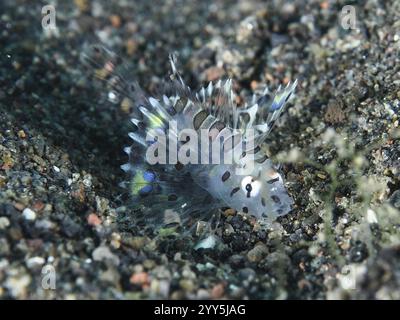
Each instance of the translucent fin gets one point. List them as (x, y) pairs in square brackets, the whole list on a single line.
[(108, 67), (218, 100), (263, 114), (175, 72)]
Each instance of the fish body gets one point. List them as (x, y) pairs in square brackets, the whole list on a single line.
[(176, 192)]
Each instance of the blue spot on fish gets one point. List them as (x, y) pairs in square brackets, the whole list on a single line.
[(146, 189), (149, 176)]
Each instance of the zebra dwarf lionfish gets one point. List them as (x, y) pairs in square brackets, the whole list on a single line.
[(170, 194)]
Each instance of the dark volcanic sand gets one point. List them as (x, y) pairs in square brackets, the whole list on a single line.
[(61, 148)]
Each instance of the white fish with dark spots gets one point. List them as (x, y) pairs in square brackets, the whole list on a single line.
[(194, 192)]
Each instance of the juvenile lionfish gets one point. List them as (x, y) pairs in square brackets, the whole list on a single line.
[(176, 193)]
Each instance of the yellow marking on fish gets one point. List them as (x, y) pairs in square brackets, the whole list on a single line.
[(137, 183), (155, 121)]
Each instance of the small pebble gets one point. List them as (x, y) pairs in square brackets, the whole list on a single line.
[(4, 223), (29, 214), (22, 134), (93, 220), (140, 278), (103, 253), (35, 262), (217, 291), (257, 253)]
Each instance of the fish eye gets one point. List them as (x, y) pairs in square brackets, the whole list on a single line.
[(250, 186)]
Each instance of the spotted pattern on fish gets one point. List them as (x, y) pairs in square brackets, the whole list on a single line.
[(194, 191)]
